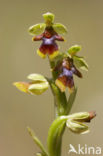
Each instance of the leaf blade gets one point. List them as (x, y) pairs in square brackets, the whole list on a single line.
[(37, 141)]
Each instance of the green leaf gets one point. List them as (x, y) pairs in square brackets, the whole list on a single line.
[(59, 28), (48, 17), (37, 141), (71, 100), (55, 135), (37, 29), (37, 78), (38, 88), (80, 63), (74, 49)]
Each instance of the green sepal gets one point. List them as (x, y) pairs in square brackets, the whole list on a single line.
[(49, 18), (38, 143), (38, 88), (60, 28), (80, 63), (37, 29), (22, 86), (74, 49)]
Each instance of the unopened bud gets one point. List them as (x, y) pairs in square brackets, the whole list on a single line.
[(92, 114), (77, 127), (83, 116), (38, 85), (36, 78)]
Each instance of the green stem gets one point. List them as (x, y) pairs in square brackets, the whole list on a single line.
[(60, 100), (55, 136), (62, 107)]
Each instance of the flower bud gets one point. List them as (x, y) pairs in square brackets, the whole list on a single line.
[(37, 78), (75, 122), (38, 85), (77, 127), (83, 116)]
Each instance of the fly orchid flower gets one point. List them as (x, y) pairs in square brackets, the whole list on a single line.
[(48, 34), (66, 71)]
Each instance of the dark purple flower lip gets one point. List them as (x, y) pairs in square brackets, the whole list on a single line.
[(67, 70), (49, 45)]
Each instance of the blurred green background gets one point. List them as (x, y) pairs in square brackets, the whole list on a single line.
[(84, 20)]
